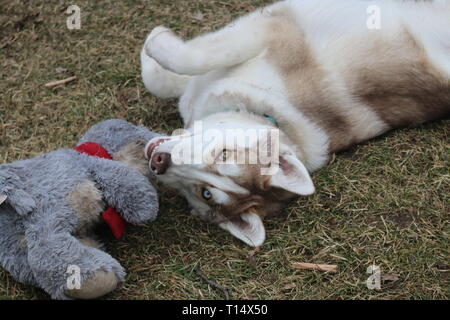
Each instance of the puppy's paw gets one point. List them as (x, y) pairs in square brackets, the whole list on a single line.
[(155, 33), (164, 46)]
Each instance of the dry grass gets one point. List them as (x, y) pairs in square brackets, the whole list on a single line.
[(385, 202)]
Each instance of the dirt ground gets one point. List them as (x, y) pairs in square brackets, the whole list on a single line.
[(385, 202)]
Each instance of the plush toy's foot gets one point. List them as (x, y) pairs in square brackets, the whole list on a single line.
[(100, 284)]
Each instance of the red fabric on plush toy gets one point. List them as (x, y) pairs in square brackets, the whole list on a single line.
[(112, 218), (93, 149)]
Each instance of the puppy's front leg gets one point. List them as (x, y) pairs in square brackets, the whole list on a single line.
[(234, 44)]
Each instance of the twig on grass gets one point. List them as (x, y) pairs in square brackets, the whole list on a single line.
[(211, 282), (312, 266), (59, 82)]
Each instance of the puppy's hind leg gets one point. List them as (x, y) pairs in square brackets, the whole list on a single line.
[(159, 81)]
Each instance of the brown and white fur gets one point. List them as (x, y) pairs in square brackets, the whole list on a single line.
[(318, 68)]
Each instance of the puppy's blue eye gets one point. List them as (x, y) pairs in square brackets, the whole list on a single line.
[(206, 194)]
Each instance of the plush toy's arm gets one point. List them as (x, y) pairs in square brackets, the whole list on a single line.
[(125, 189), (13, 192)]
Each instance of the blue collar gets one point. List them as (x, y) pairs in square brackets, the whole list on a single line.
[(271, 119), (266, 116)]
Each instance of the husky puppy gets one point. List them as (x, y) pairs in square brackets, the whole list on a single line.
[(321, 75)]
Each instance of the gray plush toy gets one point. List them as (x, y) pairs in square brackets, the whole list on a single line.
[(49, 204)]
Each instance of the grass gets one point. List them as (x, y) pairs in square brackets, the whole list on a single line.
[(385, 202)]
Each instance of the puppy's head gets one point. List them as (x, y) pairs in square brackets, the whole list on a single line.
[(232, 174)]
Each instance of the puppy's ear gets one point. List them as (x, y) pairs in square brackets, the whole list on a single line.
[(292, 176), (248, 228)]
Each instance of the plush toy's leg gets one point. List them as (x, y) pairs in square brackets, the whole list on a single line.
[(13, 247), (100, 284), (159, 81), (62, 265)]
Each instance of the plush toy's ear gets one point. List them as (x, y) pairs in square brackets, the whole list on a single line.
[(249, 228), (292, 176), (3, 198)]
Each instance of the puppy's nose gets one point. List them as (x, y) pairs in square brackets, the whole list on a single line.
[(160, 162)]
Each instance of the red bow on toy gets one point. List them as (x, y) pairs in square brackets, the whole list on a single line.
[(110, 215)]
